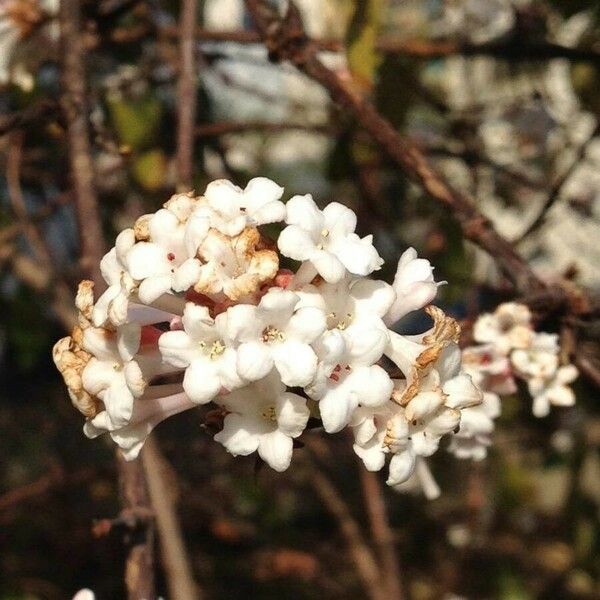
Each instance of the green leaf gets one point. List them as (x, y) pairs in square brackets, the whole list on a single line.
[(136, 121), (363, 58), (150, 169)]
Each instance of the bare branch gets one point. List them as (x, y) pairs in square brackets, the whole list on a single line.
[(287, 40), (186, 94), (178, 570), (29, 116), (381, 532)]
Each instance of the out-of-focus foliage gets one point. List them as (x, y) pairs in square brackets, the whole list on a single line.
[(521, 525)]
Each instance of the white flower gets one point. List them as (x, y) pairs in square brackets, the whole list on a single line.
[(84, 594), (345, 380), (157, 404), (327, 239), (421, 480), (166, 259), (508, 327), (476, 426), (354, 307), (204, 350), (540, 359), (413, 284), (276, 334), (554, 391), (112, 374), (111, 306), (263, 417), (234, 209), (235, 267), (490, 370)]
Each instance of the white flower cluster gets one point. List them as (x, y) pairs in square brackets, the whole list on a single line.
[(510, 344), (198, 311)]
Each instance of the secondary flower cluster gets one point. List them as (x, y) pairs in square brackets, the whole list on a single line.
[(199, 310)]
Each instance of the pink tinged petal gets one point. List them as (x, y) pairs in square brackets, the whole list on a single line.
[(296, 243), (128, 340), (177, 348), (402, 466), (292, 414), (186, 275), (339, 219), (303, 212), (372, 296), (254, 360), (239, 435), (328, 265), (147, 315), (153, 288), (372, 455), (296, 362), (306, 325), (357, 255), (201, 381), (147, 259), (424, 404), (275, 448), (372, 385)]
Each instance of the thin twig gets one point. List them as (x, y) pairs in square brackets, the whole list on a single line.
[(29, 116), (226, 127), (139, 568), (178, 570), (557, 187), (362, 556), (287, 40), (186, 94), (381, 532), (512, 50), (15, 193)]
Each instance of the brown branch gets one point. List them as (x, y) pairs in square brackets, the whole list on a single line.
[(381, 532), (287, 40), (15, 193), (55, 478), (178, 570), (226, 127), (139, 568), (186, 94), (362, 556), (556, 188), (30, 116), (513, 50)]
